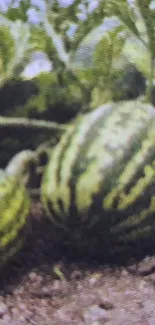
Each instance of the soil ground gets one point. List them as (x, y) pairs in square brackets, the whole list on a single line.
[(44, 285)]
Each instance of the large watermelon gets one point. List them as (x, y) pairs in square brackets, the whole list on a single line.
[(103, 171)]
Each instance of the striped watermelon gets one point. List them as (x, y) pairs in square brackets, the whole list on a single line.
[(103, 172), (14, 204), (14, 209)]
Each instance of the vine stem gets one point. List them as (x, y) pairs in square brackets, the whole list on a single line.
[(149, 26), (19, 122)]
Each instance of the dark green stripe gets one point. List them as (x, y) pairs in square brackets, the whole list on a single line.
[(61, 163), (69, 139), (47, 200), (82, 162), (135, 219), (55, 216)]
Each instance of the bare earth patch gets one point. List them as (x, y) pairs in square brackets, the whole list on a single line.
[(45, 285)]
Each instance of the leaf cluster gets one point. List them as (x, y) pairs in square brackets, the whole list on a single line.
[(96, 56)]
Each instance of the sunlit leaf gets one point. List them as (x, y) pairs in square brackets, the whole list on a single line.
[(15, 47), (107, 53), (84, 55), (7, 49), (138, 55), (126, 13)]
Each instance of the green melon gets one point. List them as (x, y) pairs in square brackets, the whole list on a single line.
[(103, 171), (14, 204), (14, 209)]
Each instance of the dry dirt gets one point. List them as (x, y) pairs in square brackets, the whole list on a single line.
[(47, 285)]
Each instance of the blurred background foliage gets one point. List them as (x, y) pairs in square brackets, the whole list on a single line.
[(60, 59)]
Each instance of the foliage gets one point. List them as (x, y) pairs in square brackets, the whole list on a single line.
[(97, 55), (15, 47)]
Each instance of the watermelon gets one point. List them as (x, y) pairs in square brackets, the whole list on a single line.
[(103, 172), (14, 209)]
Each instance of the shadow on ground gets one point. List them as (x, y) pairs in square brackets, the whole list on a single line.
[(47, 246)]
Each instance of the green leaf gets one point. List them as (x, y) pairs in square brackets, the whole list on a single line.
[(19, 12), (7, 48), (83, 57), (107, 54), (15, 48), (137, 54), (126, 13)]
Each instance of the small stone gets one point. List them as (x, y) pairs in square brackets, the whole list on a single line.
[(151, 278), (33, 276), (94, 314), (76, 275), (3, 309), (124, 272), (95, 279), (132, 268), (63, 316), (146, 269), (7, 319), (21, 306), (106, 304), (56, 285), (18, 291), (143, 285)]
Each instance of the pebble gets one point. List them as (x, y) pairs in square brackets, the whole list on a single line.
[(106, 304), (95, 314), (3, 309), (34, 277)]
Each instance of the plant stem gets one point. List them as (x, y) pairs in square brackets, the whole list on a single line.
[(13, 122), (149, 25), (150, 80)]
